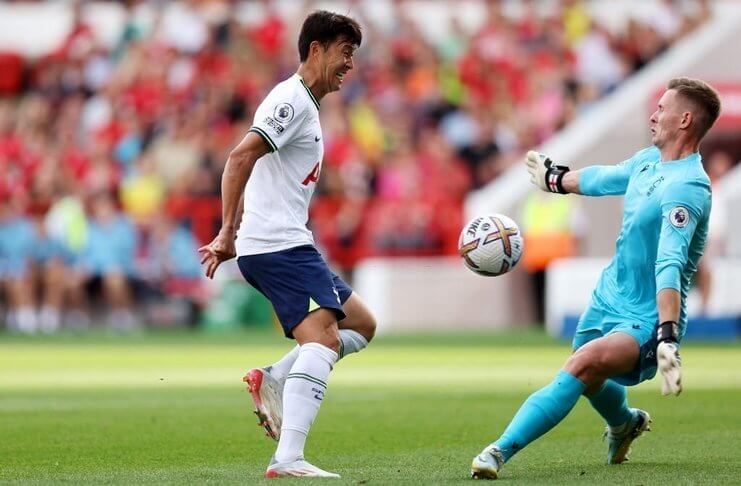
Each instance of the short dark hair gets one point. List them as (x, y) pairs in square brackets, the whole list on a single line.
[(703, 98), (325, 28)]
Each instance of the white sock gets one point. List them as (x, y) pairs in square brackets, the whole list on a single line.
[(280, 369), (350, 342), (302, 395)]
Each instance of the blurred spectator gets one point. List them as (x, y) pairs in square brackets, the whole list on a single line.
[(106, 264), (16, 247), (143, 191), (33, 268), (50, 269), (168, 265), (551, 228)]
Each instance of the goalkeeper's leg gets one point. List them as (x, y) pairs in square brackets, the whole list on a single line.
[(540, 413), (585, 370), (611, 402), (624, 424)]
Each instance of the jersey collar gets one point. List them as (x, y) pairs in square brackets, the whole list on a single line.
[(311, 95), (693, 157)]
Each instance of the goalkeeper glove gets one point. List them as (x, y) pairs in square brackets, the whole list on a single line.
[(544, 173), (667, 355)]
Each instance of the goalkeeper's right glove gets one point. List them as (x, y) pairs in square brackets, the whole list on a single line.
[(544, 173), (667, 355)]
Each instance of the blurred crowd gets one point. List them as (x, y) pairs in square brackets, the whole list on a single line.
[(111, 156)]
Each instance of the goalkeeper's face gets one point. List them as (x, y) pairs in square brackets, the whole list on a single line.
[(669, 119)]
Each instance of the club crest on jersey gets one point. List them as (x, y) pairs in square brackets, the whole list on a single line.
[(283, 113), (679, 217)]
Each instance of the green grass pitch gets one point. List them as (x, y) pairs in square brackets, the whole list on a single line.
[(171, 409)]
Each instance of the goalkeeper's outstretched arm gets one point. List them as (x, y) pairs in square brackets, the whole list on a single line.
[(596, 180)]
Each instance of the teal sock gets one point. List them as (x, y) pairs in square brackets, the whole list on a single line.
[(612, 403), (542, 411)]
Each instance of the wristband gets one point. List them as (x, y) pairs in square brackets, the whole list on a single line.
[(554, 176), (667, 332)]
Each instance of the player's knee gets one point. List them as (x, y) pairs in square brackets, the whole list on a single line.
[(330, 336), (587, 366), (369, 328), (332, 341)]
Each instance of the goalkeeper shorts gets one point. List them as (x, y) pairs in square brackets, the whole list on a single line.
[(597, 322)]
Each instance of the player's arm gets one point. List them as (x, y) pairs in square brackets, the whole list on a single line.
[(596, 180), (237, 171), (682, 207)]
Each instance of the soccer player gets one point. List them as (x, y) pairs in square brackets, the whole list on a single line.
[(277, 165), (637, 312)]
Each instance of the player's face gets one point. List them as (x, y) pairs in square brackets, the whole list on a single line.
[(337, 61), (666, 121)]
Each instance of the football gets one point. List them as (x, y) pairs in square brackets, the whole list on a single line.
[(490, 245)]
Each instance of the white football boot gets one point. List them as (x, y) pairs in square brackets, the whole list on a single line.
[(267, 393), (618, 445), (487, 464), (297, 468)]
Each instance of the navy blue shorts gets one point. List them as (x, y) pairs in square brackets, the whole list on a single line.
[(296, 281)]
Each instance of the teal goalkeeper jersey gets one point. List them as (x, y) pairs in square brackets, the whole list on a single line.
[(665, 227)]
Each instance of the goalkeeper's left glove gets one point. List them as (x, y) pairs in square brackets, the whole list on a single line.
[(667, 355), (544, 173)]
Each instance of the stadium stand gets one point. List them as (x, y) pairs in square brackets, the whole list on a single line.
[(147, 112)]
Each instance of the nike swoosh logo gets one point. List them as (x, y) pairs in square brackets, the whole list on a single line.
[(316, 139)]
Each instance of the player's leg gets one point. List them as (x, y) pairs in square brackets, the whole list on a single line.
[(586, 370), (625, 424), (357, 329), (611, 402), (304, 391), (266, 384), (300, 287)]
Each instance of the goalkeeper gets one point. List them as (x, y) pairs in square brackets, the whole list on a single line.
[(637, 315)]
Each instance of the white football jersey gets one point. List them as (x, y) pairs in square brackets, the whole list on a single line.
[(278, 192)]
